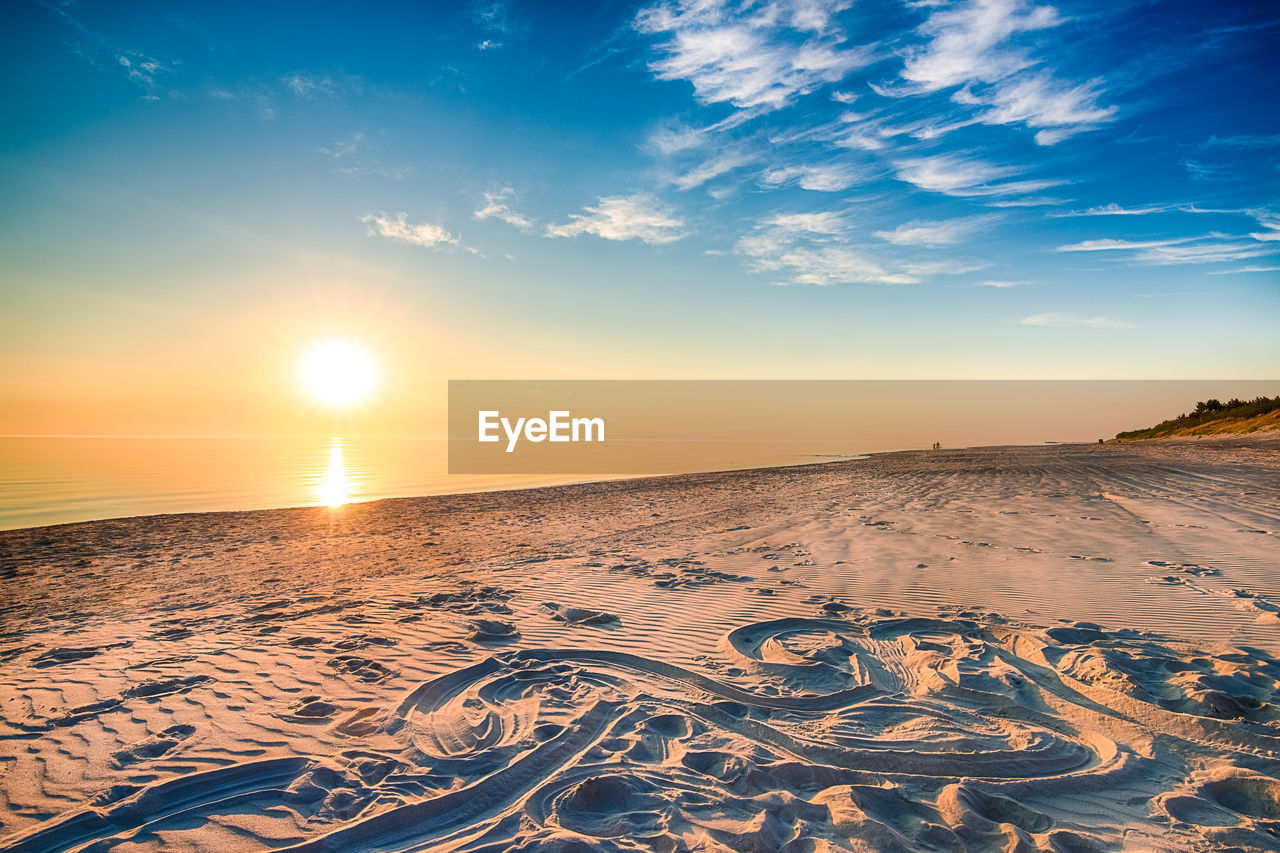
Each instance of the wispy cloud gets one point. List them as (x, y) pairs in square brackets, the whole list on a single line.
[(354, 156), (1109, 244), (711, 168), (1246, 141), (1239, 270), (958, 175), (973, 45), (1114, 209), (934, 234), (968, 43), (493, 17), (1001, 284), (825, 177), (633, 217), (1057, 319), (398, 228), (825, 265), (751, 56), (823, 222), (808, 248), (101, 52), (497, 206), (1207, 249)]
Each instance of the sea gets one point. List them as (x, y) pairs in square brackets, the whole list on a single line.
[(59, 479)]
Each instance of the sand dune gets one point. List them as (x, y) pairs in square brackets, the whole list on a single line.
[(1059, 648)]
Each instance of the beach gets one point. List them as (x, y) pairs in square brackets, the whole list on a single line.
[(1063, 647)]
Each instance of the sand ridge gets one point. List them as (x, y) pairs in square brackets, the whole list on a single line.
[(915, 651)]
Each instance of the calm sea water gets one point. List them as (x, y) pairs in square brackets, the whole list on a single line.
[(53, 480)]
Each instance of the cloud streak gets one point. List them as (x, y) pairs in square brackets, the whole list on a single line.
[(754, 57), (1062, 320), (426, 234), (634, 217)]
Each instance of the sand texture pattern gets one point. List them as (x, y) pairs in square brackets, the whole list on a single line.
[(1051, 648)]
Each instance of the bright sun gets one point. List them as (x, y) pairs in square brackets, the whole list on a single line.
[(338, 372)]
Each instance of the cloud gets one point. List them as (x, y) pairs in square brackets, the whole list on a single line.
[(634, 217), (806, 249), (712, 168), (353, 157), (933, 234), (967, 43), (752, 56), (972, 45), (1243, 141), (309, 85), (426, 234), (825, 222), (1061, 109), (930, 269), (98, 50), (1063, 320), (1114, 209), (1208, 249), (828, 265), (1270, 222), (496, 207), (831, 177), (1108, 244), (494, 20), (1000, 284), (957, 175), (1244, 270)]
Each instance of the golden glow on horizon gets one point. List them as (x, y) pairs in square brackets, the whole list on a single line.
[(338, 372), (334, 488)]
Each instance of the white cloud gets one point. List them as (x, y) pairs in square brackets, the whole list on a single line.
[(1208, 249), (1244, 270), (957, 175), (828, 265), (1040, 101), (1243, 141), (712, 168), (1108, 244), (634, 217), (1114, 209), (972, 45), (752, 56), (1270, 222), (824, 222), (496, 207), (1063, 320), (968, 43), (1000, 284), (426, 234), (802, 246), (930, 269), (831, 177), (933, 234)]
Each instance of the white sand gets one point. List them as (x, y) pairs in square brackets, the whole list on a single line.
[(1064, 648)]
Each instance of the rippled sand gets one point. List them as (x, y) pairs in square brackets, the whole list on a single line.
[(1064, 648)]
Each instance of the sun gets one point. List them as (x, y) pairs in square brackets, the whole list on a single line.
[(338, 372)]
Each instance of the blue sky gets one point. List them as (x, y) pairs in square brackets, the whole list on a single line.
[(881, 188)]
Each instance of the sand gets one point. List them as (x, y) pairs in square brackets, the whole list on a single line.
[(1061, 648)]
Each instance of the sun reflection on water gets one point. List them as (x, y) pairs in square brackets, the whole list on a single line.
[(335, 487)]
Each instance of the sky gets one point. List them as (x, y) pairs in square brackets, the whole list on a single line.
[(982, 189)]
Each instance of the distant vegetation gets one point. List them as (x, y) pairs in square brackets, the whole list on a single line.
[(1213, 417)]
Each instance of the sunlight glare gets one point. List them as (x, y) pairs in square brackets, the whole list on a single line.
[(338, 372), (334, 488)]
